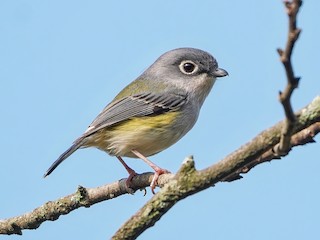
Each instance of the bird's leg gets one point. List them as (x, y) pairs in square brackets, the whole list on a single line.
[(158, 171), (131, 172)]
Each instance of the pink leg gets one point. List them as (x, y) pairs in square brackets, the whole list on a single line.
[(131, 172), (157, 169)]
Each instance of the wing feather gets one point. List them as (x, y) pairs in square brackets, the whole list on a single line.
[(136, 106)]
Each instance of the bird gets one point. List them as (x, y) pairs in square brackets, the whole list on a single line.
[(153, 112)]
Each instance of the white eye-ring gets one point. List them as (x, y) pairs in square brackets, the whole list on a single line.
[(188, 67)]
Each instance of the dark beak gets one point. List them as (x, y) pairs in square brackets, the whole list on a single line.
[(219, 72)]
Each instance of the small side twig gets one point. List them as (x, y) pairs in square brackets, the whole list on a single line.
[(284, 146), (301, 138)]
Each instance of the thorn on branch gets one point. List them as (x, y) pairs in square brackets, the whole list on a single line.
[(280, 52), (280, 95), (296, 81), (296, 34)]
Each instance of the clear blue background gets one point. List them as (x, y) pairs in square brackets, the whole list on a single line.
[(61, 62)]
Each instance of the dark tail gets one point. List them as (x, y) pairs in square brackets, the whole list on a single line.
[(77, 144)]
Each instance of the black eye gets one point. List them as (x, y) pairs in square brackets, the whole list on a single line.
[(188, 67)]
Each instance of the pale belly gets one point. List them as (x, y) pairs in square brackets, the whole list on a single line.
[(138, 134)]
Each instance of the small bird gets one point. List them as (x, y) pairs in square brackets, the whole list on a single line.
[(154, 111)]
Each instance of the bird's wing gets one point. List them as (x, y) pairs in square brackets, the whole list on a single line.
[(139, 105)]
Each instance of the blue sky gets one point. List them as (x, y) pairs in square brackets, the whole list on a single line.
[(61, 62)]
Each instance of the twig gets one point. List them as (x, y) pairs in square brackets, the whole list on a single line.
[(292, 82)]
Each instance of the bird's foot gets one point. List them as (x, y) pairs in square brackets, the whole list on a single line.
[(157, 173), (132, 174)]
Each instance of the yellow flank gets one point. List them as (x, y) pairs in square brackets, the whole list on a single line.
[(148, 135)]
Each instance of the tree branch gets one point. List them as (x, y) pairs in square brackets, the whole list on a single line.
[(83, 197), (284, 146)]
